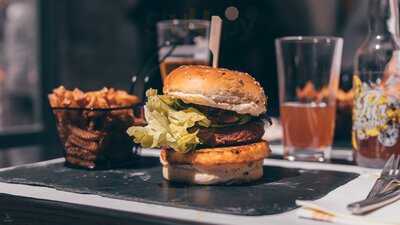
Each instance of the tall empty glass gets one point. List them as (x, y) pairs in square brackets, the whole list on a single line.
[(308, 70)]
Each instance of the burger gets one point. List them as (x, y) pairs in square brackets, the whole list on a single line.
[(209, 124)]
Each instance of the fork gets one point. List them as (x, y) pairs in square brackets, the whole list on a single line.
[(388, 176), (385, 190)]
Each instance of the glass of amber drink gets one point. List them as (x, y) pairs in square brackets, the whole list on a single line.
[(182, 42), (308, 70)]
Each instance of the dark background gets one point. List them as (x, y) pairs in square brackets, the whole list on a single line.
[(90, 44), (103, 43)]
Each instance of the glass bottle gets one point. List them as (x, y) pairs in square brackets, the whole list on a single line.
[(376, 112)]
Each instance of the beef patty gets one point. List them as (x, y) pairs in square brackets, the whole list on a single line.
[(232, 135), (218, 116)]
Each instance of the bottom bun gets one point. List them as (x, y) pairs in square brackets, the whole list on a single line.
[(213, 174)]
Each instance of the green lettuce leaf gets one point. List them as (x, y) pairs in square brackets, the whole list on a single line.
[(168, 125)]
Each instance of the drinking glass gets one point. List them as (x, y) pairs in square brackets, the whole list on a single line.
[(308, 70), (182, 42)]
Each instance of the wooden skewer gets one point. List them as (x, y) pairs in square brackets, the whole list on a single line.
[(215, 37)]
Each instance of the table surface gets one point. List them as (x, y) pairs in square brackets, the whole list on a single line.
[(149, 213)]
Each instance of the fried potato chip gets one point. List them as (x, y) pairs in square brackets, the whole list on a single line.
[(103, 99)]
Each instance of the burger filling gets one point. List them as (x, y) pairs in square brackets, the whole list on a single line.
[(171, 123), (232, 135)]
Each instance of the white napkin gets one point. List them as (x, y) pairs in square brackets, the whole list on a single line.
[(332, 208)]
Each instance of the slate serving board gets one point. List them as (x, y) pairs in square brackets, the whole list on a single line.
[(275, 193)]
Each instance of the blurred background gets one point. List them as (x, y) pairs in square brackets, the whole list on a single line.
[(90, 44)]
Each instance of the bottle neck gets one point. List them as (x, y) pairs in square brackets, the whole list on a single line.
[(383, 17)]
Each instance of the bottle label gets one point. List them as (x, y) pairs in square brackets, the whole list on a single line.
[(376, 112)]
